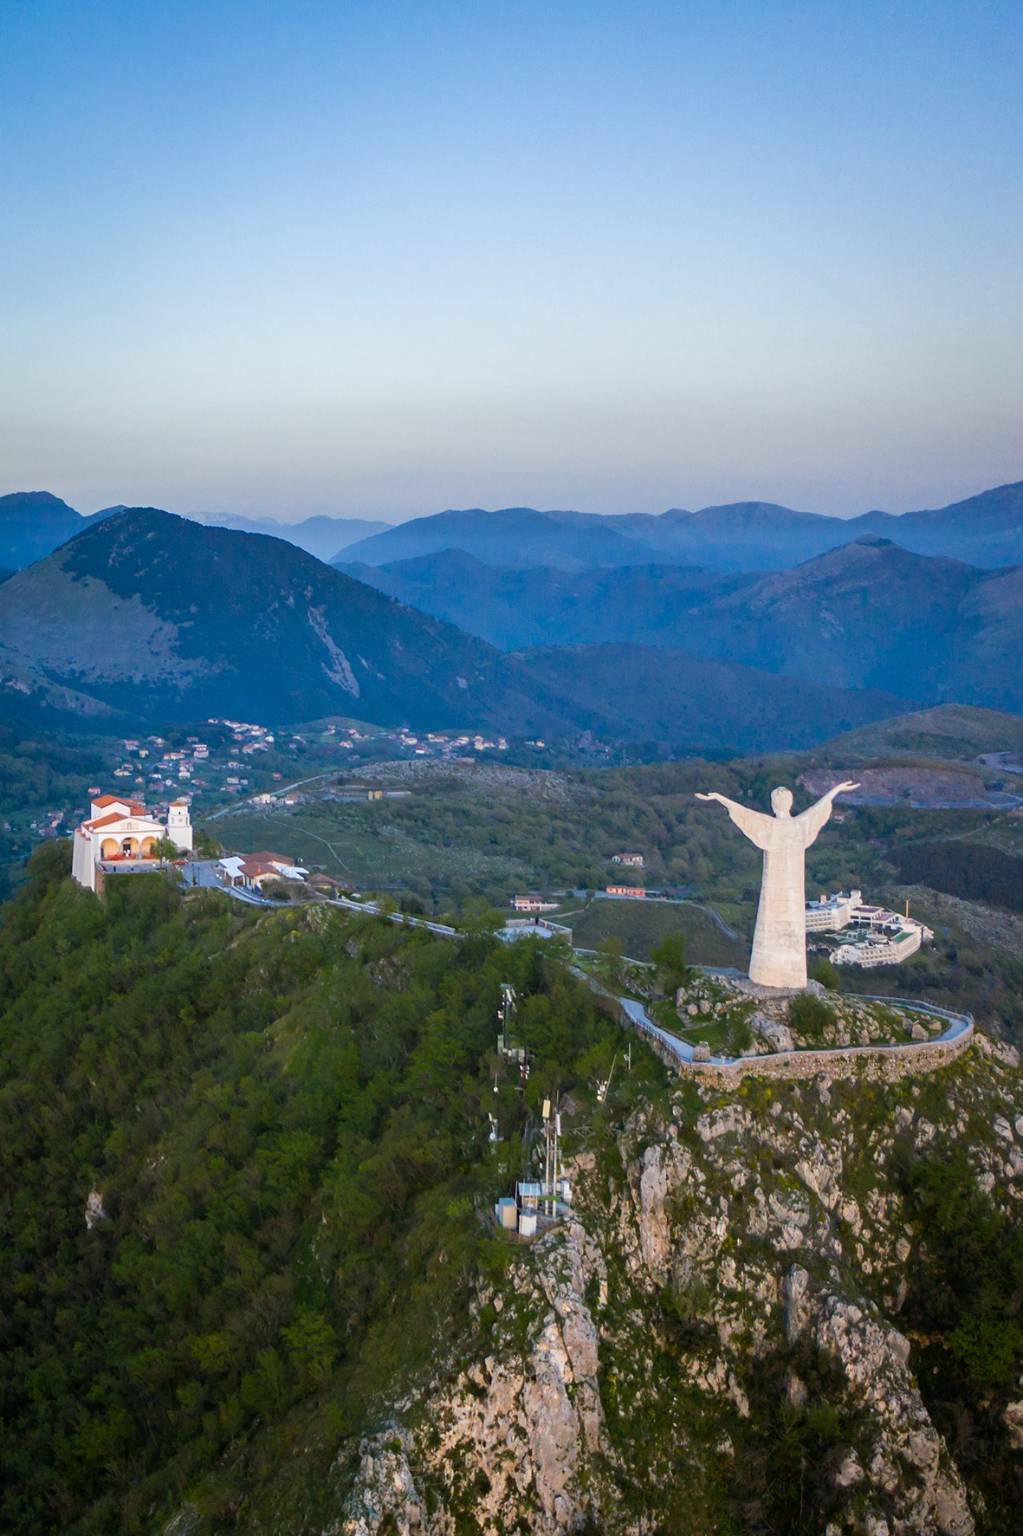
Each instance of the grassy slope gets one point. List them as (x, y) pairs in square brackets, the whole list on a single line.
[(950, 731), (642, 924)]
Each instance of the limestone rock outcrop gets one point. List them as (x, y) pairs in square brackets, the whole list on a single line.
[(737, 1261)]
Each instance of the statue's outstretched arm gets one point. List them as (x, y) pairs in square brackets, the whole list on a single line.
[(814, 817), (754, 824)]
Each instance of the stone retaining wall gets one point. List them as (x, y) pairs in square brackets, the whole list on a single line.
[(887, 1061)]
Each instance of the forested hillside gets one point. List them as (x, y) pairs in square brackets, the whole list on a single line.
[(278, 1126)]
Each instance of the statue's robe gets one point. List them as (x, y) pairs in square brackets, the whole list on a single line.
[(779, 940)]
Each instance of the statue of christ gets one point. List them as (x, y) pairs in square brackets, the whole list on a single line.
[(779, 942)]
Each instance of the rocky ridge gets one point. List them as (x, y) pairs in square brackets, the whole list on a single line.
[(728, 1294)]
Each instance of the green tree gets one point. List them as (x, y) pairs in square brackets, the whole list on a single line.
[(669, 956), (312, 1346), (610, 953)]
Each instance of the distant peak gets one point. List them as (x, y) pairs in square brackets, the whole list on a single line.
[(35, 498)]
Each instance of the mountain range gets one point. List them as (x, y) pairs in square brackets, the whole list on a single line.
[(589, 625), (516, 607), (150, 615), (146, 616), (985, 530), (324, 537), (867, 615), (34, 523)]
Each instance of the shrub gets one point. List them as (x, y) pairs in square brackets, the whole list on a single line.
[(740, 1035), (810, 1017)]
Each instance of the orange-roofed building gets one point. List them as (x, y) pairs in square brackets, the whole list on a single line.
[(121, 834)]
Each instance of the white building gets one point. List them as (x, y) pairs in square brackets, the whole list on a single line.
[(877, 946), (252, 870), (832, 913), (121, 834), (870, 935)]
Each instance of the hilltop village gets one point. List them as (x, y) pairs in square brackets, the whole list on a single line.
[(234, 759)]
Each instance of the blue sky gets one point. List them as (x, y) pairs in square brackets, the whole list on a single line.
[(386, 258)]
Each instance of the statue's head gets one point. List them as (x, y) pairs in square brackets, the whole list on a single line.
[(781, 801)]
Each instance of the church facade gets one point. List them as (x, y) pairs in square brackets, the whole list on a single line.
[(122, 834)]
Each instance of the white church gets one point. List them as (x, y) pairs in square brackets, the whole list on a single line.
[(120, 836)]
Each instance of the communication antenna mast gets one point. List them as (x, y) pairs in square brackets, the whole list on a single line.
[(507, 1046), (602, 1087), (552, 1138), (557, 1160)]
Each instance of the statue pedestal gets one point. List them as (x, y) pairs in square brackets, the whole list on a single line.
[(757, 990)]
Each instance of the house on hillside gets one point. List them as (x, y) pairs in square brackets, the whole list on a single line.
[(534, 902), (120, 835), (251, 871), (636, 891), (632, 860)]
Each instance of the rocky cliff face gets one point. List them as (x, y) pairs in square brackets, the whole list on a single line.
[(716, 1341)]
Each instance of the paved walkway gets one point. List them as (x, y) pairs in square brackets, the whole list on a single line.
[(957, 1025)]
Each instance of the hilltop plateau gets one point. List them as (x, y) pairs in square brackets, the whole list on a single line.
[(953, 731)]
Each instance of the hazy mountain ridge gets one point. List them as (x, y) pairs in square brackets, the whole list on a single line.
[(875, 615), (35, 523), (867, 615), (513, 609), (153, 614), (322, 536), (32, 523), (513, 536), (148, 615), (985, 530), (692, 703)]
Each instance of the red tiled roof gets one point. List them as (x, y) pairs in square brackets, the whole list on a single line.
[(105, 821), (112, 816), (104, 800)]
